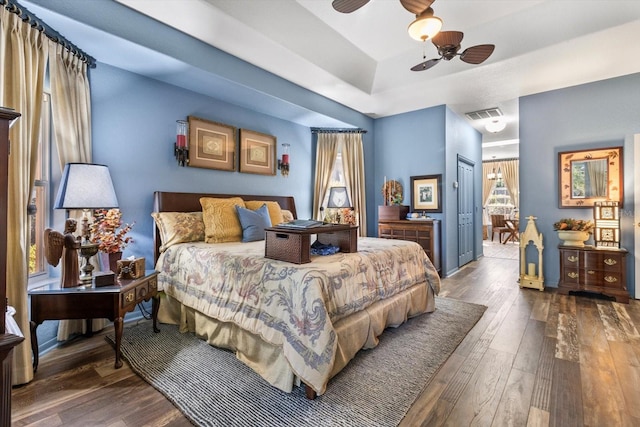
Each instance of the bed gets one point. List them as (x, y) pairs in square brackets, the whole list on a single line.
[(292, 324)]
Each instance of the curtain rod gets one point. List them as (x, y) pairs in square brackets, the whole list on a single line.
[(500, 160), (52, 34), (337, 130)]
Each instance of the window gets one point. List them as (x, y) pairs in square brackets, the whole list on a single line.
[(500, 200), (39, 206), (337, 177)]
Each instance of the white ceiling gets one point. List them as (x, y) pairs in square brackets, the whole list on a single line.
[(362, 59)]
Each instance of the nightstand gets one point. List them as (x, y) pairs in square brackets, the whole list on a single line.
[(52, 302)]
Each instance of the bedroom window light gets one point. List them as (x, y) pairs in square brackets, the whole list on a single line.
[(39, 205)]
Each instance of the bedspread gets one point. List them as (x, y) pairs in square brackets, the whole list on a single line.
[(289, 305)]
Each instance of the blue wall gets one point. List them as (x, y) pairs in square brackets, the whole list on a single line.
[(428, 142), (133, 119), (600, 114), (464, 141)]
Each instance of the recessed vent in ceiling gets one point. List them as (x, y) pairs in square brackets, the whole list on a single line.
[(489, 113)]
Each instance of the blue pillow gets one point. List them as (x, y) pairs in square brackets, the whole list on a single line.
[(253, 222)]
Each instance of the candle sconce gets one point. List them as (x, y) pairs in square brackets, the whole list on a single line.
[(283, 164), (181, 147)]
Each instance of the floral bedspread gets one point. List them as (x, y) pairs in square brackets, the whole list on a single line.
[(289, 305)]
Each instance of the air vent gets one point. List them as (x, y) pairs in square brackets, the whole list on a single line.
[(489, 113)]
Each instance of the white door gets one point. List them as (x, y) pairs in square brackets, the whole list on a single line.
[(636, 219)]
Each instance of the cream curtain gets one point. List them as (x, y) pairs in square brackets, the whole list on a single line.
[(71, 118), (487, 186), (597, 172), (23, 56), (326, 154), (353, 165), (511, 177)]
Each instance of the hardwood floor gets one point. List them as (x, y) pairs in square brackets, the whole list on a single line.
[(534, 359)]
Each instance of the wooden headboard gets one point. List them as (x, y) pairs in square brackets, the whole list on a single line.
[(165, 201)]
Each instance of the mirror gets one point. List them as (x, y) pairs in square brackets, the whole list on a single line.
[(589, 176)]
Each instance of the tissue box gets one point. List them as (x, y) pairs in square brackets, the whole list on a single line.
[(130, 268)]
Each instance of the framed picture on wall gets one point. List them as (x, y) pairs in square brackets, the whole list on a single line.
[(212, 145), (426, 193), (257, 152)]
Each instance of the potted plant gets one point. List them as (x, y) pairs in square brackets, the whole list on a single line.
[(109, 233), (574, 232)]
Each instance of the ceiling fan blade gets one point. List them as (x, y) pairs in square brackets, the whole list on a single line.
[(477, 54), (447, 38), (348, 6), (416, 6), (425, 65)]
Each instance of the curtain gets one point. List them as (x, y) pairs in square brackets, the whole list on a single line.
[(353, 166), (487, 187), (511, 177), (23, 56), (597, 174), (71, 118), (326, 154)]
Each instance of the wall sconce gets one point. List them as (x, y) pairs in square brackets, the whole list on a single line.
[(181, 148), (606, 216), (283, 164)]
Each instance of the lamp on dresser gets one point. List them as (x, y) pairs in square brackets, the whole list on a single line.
[(86, 186)]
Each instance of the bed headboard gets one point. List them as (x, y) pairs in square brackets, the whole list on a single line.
[(166, 201)]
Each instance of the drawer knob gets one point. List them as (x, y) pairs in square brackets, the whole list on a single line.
[(610, 261), (591, 272), (573, 275), (610, 279), (572, 258), (129, 297)]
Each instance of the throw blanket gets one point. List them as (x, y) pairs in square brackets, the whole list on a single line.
[(288, 305)]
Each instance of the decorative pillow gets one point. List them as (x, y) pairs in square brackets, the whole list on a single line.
[(179, 227), (275, 212), (287, 215), (253, 222), (221, 223)]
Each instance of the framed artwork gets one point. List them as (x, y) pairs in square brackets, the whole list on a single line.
[(426, 193), (257, 152), (589, 176), (211, 145)]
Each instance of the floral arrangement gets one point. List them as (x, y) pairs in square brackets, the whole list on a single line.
[(570, 224), (108, 232)]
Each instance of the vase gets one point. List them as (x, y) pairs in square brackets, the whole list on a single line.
[(109, 260), (573, 238)]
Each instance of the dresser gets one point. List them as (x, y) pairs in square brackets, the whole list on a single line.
[(425, 232), (7, 341), (595, 270)]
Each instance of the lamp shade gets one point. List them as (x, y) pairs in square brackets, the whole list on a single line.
[(86, 186), (338, 198), (425, 26)]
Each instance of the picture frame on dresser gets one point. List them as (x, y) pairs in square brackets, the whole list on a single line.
[(212, 145), (257, 152), (426, 194)]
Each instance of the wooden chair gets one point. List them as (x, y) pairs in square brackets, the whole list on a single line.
[(499, 225)]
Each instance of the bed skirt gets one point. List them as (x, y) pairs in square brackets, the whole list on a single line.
[(357, 331)]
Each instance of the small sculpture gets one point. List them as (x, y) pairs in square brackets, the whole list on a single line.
[(65, 246)]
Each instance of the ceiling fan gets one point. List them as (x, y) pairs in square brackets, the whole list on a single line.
[(448, 45), (427, 27)]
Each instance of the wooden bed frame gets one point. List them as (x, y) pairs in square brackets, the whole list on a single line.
[(166, 201)]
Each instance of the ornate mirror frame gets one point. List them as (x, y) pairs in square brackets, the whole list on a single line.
[(614, 186)]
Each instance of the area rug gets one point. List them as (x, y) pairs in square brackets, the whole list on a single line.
[(212, 388)]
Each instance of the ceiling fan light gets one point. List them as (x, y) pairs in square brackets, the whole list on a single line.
[(425, 26), (495, 126)]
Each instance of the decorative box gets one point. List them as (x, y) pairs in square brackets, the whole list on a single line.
[(393, 212), (130, 268), (104, 278)]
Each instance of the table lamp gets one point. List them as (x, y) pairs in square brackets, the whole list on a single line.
[(86, 186)]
